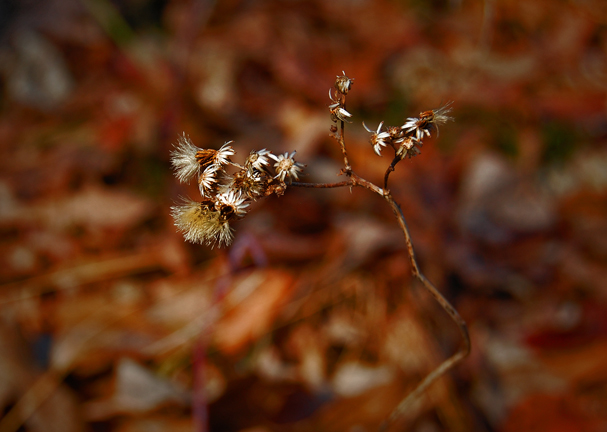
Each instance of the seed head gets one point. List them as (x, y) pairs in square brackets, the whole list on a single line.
[(201, 223), (183, 159), (343, 84), (286, 166), (408, 147), (427, 121), (207, 181), (339, 113), (378, 139), (222, 156), (231, 205), (258, 160)]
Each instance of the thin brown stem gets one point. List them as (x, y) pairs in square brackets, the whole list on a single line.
[(355, 180), (464, 350), (462, 353), (389, 170), (322, 185), (342, 144)]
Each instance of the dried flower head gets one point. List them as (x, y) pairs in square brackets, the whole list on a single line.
[(418, 126), (231, 205), (408, 147), (378, 139), (438, 116), (286, 166), (258, 160), (343, 84), (396, 133), (207, 181), (337, 110), (217, 159), (339, 113), (183, 159), (222, 157), (199, 222), (250, 183), (427, 121)]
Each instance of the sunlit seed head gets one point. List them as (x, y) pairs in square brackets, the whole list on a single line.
[(183, 159), (258, 160), (207, 181), (286, 166), (201, 223), (235, 201), (222, 157)]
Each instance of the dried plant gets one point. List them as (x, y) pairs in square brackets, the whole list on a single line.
[(227, 188)]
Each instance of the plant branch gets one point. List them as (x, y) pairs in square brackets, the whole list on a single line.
[(389, 170), (322, 185), (342, 143), (463, 352)]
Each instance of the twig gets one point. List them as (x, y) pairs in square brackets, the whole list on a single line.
[(463, 352), (342, 143), (389, 170), (323, 185)]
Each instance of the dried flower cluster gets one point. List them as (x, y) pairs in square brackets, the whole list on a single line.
[(343, 84), (226, 187), (407, 140)]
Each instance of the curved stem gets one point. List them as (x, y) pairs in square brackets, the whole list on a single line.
[(463, 352)]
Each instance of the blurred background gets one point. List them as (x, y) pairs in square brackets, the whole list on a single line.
[(311, 320)]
